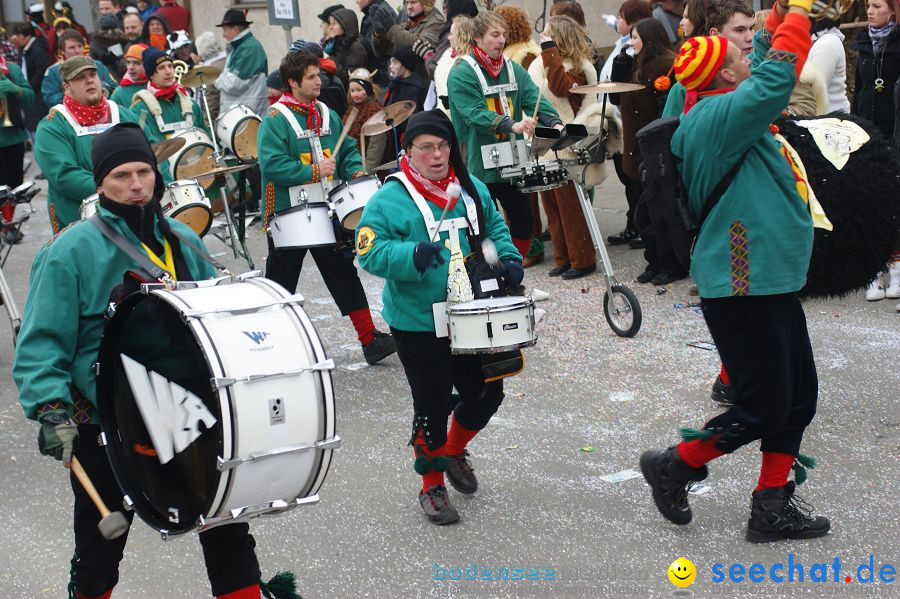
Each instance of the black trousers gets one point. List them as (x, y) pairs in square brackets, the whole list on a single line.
[(632, 191), (517, 208), (432, 372), (337, 270), (658, 250), (11, 162), (765, 348), (228, 550)]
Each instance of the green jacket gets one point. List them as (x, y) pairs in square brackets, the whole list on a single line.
[(52, 89), (124, 94), (477, 125), (171, 113), (758, 238), (65, 159), (10, 136), (244, 79), (285, 161), (675, 102), (394, 226), (71, 280)]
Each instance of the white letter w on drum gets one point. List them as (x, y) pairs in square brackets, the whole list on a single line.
[(171, 413)]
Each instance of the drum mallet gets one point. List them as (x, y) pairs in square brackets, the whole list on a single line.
[(346, 129), (112, 525), (453, 191)]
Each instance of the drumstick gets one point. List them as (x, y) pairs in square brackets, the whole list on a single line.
[(350, 118), (112, 524), (453, 191), (538, 103), (362, 148)]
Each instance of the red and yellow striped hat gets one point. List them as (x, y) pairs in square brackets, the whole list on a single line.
[(698, 61)]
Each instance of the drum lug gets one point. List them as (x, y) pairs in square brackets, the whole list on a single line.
[(95, 368), (101, 440), (164, 534), (148, 288), (127, 503), (242, 514), (221, 382), (329, 443)]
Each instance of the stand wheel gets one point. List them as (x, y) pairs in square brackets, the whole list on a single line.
[(622, 310)]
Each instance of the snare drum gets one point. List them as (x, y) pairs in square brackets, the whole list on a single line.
[(537, 176), (305, 225), (350, 197), (185, 201), (216, 403), (491, 325), (237, 128), (194, 157), (89, 206)]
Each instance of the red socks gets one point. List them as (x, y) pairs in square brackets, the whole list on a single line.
[(105, 595), (522, 245), (250, 592), (458, 437), (774, 471), (698, 452), (362, 322), (433, 477), (7, 211), (723, 376)]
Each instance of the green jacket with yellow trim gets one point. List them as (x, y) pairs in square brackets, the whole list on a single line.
[(123, 95), (387, 235), (71, 280), (285, 161), (10, 136), (476, 124)]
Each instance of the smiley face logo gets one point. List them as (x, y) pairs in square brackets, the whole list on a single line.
[(682, 572)]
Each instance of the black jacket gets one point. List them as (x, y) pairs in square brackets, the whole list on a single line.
[(36, 61), (868, 103), (377, 9), (348, 52)]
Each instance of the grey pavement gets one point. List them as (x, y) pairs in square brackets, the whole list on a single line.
[(586, 406)]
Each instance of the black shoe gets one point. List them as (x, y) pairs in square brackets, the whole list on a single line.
[(646, 276), (577, 273), (777, 513), (624, 236), (555, 272), (664, 278), (545, 235), (461, 474), (379, 348), (637, 244), (722, 393), (436, 505), (668, 476)]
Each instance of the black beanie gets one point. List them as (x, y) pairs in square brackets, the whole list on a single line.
[(433, 122), (406, 56), (121, 143)]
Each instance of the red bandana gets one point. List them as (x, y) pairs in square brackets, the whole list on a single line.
[(433, 191), (493, 66), (692, 97), (126, 80), (85, 115), (3, 66), (312, 116), (166, 93)]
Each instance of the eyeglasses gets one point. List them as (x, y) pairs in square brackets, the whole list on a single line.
[(444, 146)]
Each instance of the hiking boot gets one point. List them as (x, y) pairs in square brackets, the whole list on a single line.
[(646, 276), (722, 393), (669, 478), (379, 348), (624, 236), (436, 505), (461, 474), (778, 513)]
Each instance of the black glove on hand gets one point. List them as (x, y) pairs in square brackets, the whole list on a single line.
[(513, 273), (58, 436), (427, 255), (382, 24)]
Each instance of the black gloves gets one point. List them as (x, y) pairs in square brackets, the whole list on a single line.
[(513, 273), (58, 435), (427, 255)]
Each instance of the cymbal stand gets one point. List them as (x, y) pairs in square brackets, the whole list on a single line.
[(15, 319)]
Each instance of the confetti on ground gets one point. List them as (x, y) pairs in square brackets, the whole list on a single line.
[(588, 449), (321, 317), (539, 296), (699, 489), (351, 346), (621, 396), (703, 345), (323, 301), (618, 477), (356, 366), (511, 447)]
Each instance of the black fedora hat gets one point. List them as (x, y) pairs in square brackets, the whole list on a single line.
[(234, 16)]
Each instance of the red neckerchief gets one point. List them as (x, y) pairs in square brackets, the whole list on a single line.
[(312, 115), (87, 115), (126, 80), (433, 191), (4, 68), (493, 66), (166, 93), (692, 97)]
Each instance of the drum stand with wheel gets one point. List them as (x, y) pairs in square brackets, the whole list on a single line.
[(15, 319), (20, 195)]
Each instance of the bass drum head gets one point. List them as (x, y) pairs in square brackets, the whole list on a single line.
[(195, 160), (244, 139), (197, 216), (169, 497)]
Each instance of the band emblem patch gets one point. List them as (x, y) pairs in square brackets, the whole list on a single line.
[(365, 239)]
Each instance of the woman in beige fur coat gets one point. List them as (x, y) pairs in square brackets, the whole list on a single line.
[(462, 38)]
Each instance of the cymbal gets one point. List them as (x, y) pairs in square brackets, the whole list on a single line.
[(387, 166), (166, 149), (199, 75), (224, 170), (394, 114), (607, 87)]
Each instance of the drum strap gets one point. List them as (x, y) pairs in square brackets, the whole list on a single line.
[(315, 145), (81, 130), (184, 103)]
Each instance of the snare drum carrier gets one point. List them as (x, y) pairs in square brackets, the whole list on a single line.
[(153, 105), (505, 153), (81, 130)]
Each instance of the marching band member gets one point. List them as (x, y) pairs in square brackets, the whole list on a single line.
[(165, 105), (749, 261), (491, 100), (134, 80), (393, 241), (296, 141), (14, 93), (63, 141), (71, 44), (71, 283)]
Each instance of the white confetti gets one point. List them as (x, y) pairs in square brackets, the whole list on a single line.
[(618, 477), (621, 396)]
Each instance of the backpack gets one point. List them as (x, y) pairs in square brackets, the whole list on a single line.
[(664, 192)]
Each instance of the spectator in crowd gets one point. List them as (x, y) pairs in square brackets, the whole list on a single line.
[(64, 9), (347, 49), (461, 38), (8, 49), (155, 32), (333, 94), (694, 20), (34, 64), (177, 17), (110, 7), (419, 31), (71, 44), (376, 10), (41, 27), (325, 25), (180, 47), (108, 45), (452, 8), (133, 26), (146, 8), (363, 95), (669, 13), (244, 78), (406, 84)]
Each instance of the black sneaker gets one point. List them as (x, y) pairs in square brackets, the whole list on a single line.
[(380, 348), (436, 505), (669, 478), (646, 276), (461, 474), (624, 236), (721, 393), (637, 243), (577, 273), (777, 513), (555, 272), (665, 278)]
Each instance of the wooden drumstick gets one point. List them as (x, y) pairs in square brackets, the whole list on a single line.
[(538, 103), (350, 118), (112, 524), (362, 148)]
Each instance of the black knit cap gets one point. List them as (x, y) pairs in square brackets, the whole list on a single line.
[(435, 122), (406, 56), (121, 143)]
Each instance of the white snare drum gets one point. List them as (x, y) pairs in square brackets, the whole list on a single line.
[(236, 128), (350, 197), (89, 206), (491, 325), (216, 403), (305, 225), (537, 176), (186, 201), (194, 157)]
